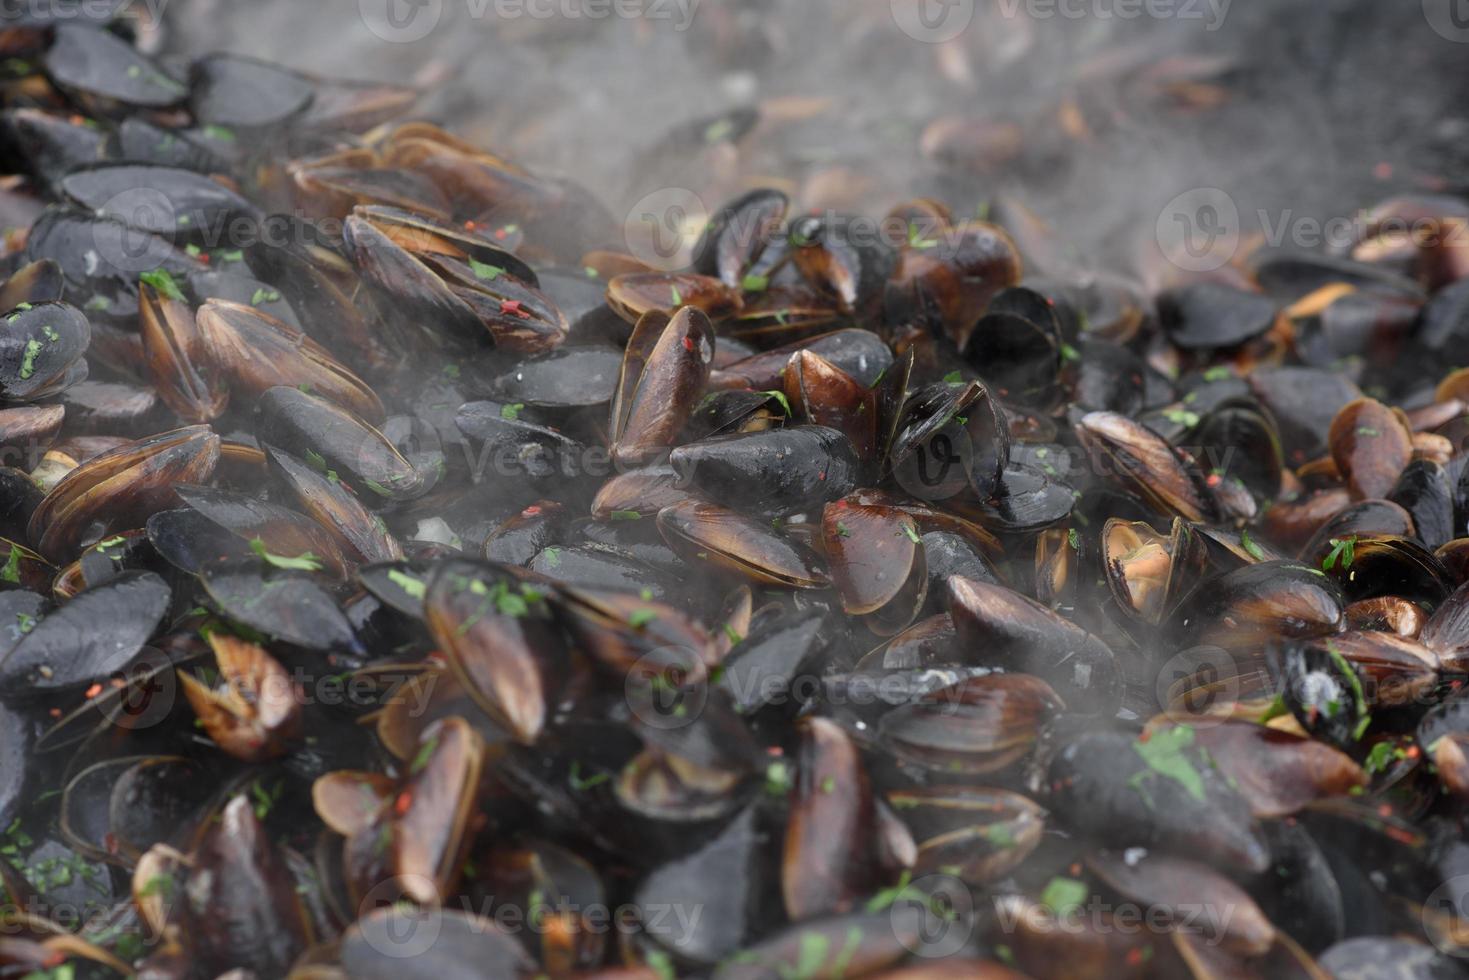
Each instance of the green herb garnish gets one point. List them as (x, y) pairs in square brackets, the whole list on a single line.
[(303, 563)]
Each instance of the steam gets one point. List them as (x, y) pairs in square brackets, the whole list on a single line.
[(1322, 108)]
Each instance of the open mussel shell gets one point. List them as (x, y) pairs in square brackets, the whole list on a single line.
[(860, 353), (822, 394), (773, 473), (257, 352), (1150, 573), (1020, 634), (1333, 684), (643, 491), (1016, 347), (1142, 462), (518, 316), (878, 563), (313, 428), (744, 546), (650, 647), (742, 240), (104, 561), (978, 726), (427, 237), (176, 359), (121, 489), (949, 439), (979, 834), (664, 372), (1370, 565), (411, 286), (1238, 439), (358, 532), (949, 274), (41, 346), (299, 260), (634, 294), (256, 715), (497, 633)]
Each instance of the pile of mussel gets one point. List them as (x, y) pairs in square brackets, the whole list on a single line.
[(400, 578)]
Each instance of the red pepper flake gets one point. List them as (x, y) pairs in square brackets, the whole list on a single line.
[(688, 343), (1385, 810), (437, 656), (1412, 752), (469, 226), (501, 234), (204, 257), (403, 802), (512, 307), (531, 511), (1213, 479), (822, 476), (1075, 870), (55, 712), (109, 841), (93, 691), (775, 750), (1143, 738), (1134, 957), (1400, 835)]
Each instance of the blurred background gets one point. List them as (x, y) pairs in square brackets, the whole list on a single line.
[(1095, 114)]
